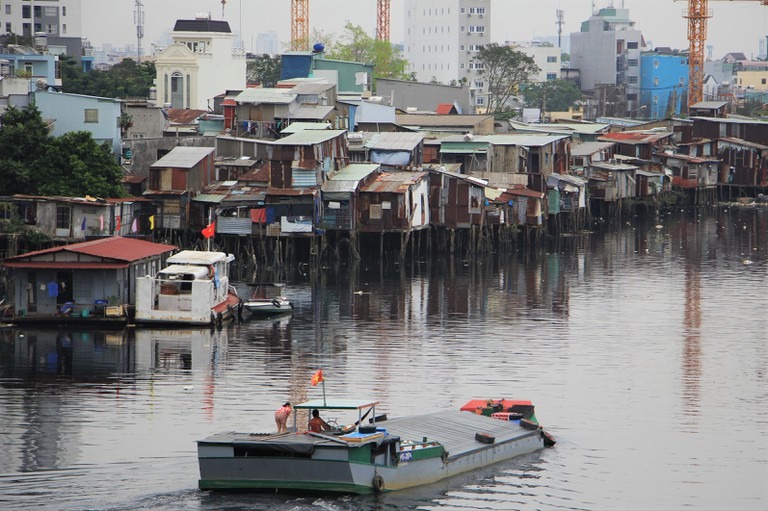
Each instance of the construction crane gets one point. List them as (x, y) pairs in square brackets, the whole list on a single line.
[(697, 36), (300, 23)]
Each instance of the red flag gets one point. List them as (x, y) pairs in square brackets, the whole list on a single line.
[(317, 377), (209, 231)]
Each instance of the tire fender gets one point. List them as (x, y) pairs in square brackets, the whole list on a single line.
[(378, 484)]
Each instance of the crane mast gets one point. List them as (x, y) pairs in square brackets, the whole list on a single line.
[(300, 23), (697, 37)]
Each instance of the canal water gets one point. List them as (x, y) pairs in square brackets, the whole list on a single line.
[(643, 346)]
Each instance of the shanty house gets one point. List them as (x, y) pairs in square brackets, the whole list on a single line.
[(690, 172), (611, 181), (456, 201), (640, 145), (340, 195), (396, 150), (65, 219), (395, 202), (175, 179), (92, 274)]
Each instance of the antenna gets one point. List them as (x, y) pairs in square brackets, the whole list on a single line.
[(138, 18), (223, 4), (560, 21)]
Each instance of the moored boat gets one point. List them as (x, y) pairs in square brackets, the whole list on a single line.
[(193, 289), (268, 300), (371, 458)]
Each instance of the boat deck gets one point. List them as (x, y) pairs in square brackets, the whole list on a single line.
[(455, 430)]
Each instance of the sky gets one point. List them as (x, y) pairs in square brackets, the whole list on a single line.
[(734, 26)]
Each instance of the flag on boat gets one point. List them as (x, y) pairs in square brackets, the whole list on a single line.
[(317, 377), (210, 230)]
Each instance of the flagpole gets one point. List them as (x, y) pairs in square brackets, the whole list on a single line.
[(324, 402)]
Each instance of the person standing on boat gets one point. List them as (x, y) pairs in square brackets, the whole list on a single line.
[(316, 423), (281, 417)]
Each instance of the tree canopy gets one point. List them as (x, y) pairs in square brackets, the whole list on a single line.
[(33, 162), (264, 70), (552, 96), (505, 70), (357, 46), (126, 79)]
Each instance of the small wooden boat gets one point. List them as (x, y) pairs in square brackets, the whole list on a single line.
[(406, 452), (192, 290), (268, 300)]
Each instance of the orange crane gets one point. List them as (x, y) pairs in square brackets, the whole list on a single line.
[(300, 23), (697, 36)]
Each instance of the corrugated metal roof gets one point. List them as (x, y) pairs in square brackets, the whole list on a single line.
[(395, 141), (463, 147), (183, 115), (299, 126), (270, 95), (589, 148), (348, 178), (116, 248), (742, 143), (212, 198), (635, 137), (312, 87), (709, 104), (433, 120), (309, 137), (183, 157), (393, 182), (530, 140), (318, 112)]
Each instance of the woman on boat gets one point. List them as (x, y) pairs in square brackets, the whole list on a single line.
[(317, 424), (281, 417)]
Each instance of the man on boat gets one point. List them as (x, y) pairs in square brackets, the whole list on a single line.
[(317, 424), (281, 417)]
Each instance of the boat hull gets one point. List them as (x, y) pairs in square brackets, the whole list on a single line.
[(268, 307), (324, 464)]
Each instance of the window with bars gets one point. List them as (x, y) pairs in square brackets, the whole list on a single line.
[(63, 217), (91, 115)]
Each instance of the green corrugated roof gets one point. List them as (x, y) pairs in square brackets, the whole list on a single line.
[(464, 147), (355, 172)]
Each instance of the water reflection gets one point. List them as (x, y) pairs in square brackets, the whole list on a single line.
[(634, 341)]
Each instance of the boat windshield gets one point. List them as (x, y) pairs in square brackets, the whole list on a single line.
[(365, 408)]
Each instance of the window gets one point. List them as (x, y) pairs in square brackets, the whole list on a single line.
[(26, 11), (551, 59), (655, 100), (7, 8), (29, 69), (631, 79), (631, 97), (762, 81), (479, 84), (63, 217), (481, 10), (91, 115), (632, 62), (461, 47), (551, 76), (681, 80), (656, 63), (51, 12), (656, 82), (63, 10), (632, 45), (462, 28), (38, 10), (8, 28), (480, 100), (63, 28)]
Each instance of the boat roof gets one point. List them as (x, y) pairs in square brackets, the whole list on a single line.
[(336, 404), (184, 269), (198, 257)]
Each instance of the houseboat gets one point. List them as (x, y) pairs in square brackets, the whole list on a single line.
[(193, 289), (368, 458)]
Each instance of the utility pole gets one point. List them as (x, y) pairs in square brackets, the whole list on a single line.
[(138, 18), (560, 22)]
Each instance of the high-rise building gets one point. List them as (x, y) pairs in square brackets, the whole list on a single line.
[(607, 54), (442, 37)]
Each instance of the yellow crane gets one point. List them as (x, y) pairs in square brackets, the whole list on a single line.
[(697, 17), (300, 23)]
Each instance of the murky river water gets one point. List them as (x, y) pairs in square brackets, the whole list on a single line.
[(643, 347)]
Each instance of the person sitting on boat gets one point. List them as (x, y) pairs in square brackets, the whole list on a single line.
[(281, 417), (317, 424)]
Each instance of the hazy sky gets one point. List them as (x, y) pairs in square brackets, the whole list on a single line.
[(735, 25)]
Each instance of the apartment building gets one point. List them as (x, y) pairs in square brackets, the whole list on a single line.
[(607, 53), (442, 37)]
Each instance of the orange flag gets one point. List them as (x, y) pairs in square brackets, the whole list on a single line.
[(210, 230), (317, 377)]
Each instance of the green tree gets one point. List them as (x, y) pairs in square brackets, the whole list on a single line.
[(505, 70), (126, 79), (75, 165), (35, 163), (264, 70), (22, 135), (552, 96), (357, 46)]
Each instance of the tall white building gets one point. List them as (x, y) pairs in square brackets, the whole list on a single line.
[(201, 63), (546, 57), (607, 52), (443, 36), (55, 18)]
